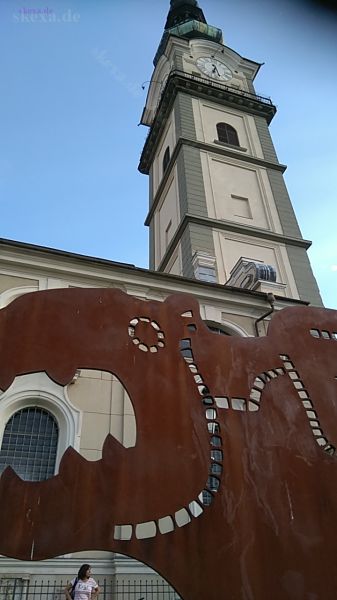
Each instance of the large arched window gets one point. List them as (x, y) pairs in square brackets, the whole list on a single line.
[(227, 134), (225, 328), (29, 444), (217, 329)]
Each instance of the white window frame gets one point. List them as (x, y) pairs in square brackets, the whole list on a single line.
[(11, 294), (37, 389)]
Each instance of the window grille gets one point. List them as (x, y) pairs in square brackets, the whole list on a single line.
[(29, 444), (204, 267)]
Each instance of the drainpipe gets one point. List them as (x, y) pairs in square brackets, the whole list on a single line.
[(271, 299)]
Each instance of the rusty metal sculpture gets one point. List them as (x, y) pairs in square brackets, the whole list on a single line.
[(234, 470)]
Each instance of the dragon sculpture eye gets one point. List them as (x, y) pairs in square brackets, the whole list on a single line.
[(146, 347)]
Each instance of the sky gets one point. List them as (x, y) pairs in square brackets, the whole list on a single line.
[(71, 99)]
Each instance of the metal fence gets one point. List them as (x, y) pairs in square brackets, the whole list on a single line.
[(125, 589)]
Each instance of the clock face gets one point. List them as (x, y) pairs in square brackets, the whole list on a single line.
[(213, 68)]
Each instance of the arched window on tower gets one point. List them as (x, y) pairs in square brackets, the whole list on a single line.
[(227, 134), (166, 159), (29, 444)]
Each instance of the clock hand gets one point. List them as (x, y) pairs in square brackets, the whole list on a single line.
[(215, 70)]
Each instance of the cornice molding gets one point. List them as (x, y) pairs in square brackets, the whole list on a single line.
[(232, 227), (214, 149), (75, 267)]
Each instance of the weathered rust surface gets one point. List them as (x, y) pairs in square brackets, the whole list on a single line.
[(270, 531)]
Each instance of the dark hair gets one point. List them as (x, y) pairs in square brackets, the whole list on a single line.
[(82, 571)]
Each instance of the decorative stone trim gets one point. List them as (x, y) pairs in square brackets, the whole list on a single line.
[(247, 273), (9, 295)]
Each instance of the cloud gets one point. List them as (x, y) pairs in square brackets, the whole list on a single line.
[(333, 267)]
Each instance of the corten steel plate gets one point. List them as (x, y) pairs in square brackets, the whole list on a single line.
[(258, 415)]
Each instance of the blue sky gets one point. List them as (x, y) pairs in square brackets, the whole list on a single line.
[(69, 135)]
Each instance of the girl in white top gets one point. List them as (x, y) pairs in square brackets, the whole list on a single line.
[(83, 587)]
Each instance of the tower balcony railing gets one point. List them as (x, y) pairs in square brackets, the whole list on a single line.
[(219, 86)]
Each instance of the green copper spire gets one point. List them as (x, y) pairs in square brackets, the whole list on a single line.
[(182, 11), (185, 19)]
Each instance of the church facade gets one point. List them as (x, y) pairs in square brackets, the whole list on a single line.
[(222, 229)]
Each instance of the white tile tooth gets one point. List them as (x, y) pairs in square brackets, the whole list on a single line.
[(166, 524)]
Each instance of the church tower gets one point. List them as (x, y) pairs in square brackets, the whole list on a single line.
[(219, 208)]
